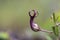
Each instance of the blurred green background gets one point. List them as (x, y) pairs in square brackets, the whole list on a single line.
[(14, 14)]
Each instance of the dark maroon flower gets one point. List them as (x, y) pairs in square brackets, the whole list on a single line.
[(33, 25)]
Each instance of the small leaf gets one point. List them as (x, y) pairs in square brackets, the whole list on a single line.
[(51, 17), (55, 30), (57, 18), (54, 18)]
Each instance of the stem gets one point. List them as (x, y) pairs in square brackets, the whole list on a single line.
[(46, 31)]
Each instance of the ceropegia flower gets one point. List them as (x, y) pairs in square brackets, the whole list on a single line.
[(33, 25)]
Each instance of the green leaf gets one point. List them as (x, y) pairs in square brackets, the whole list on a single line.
[(54, 18), (57, 18), (55, 30)]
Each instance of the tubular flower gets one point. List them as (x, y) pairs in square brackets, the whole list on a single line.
[(33, 25)]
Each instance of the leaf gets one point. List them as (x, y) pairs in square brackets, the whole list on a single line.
[(57, 18), (55, 30), (54, 18)]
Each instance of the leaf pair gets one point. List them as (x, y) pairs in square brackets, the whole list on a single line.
[(54, 18)]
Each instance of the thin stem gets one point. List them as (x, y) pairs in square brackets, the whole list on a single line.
[(46, 31)]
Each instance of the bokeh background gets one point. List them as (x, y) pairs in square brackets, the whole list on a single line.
[(14, 16)]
